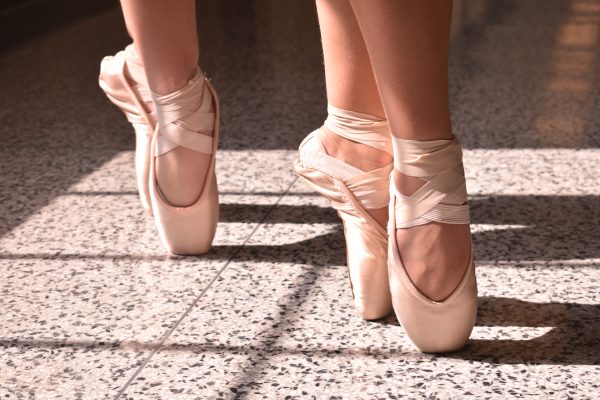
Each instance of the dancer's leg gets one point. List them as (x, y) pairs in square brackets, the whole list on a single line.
[(407, 43), (165, 36), (349, 76), (350, 85), (348, 160)]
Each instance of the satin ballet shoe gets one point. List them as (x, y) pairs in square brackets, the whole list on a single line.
[(352, 192), (183, 117), (432, 326), (131, 99)]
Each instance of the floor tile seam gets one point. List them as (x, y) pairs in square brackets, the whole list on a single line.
[(206, 288)]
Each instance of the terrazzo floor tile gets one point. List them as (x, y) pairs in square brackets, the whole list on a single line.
[(57, 126), (507, 93), (271, 92), (106, 293), (537, 205), (280, 320), (87, 295)]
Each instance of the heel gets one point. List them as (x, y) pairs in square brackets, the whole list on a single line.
[(130, 100)]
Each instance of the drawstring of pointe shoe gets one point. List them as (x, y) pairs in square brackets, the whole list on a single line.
[(184, 118), (443, 198)]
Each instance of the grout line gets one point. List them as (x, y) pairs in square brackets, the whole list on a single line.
[(197, 299)]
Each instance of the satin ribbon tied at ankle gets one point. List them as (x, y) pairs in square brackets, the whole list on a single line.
[(355, 189), (184, 118), (352, 185), (444, 195), (129, 60), (359, 127), (140, 122), (114, 67)]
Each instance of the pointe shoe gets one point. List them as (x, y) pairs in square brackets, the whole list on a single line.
[(351, 192), (131, 99), (187, 230), (432, 326)]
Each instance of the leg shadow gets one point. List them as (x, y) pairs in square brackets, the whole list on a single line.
[(574, 337)]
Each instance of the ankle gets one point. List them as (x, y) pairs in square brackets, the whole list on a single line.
[(358, 155), (164, 83)]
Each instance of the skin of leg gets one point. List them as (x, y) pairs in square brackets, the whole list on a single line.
[(350, 85), (408, 41), (166, 38)]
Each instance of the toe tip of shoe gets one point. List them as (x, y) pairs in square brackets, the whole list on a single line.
[(439, 340), (372, 312), (179, 246), (442, 348), (188, 253)]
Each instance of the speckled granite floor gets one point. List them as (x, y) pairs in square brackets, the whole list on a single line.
[(92, 308)]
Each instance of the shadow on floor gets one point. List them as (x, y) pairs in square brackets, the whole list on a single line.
[(574, 337), (537, 228)]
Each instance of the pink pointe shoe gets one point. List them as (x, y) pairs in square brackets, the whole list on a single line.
[(184, 119), (432, 326), (352, 192), (132, 100)]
